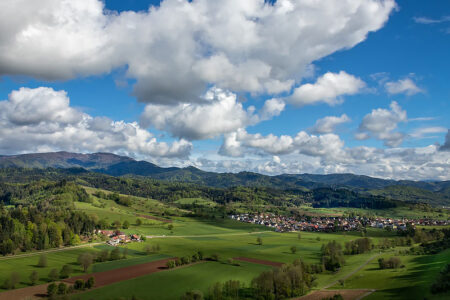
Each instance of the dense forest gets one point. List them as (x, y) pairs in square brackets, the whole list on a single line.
[(36, 216)]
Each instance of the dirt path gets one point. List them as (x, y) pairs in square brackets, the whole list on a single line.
[(260, 261), (51, 250), (347, 294), (205, 235), (345, 277)]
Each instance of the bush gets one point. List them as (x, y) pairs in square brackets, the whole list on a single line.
[(34, 277), (214, 257), (42, 263), (79, 284), (335, 297), (53, 275), (12, 281), (89, 283), (125, 224), (103, 256), (293, 249), (115, 254), (62, 288), (185, 260), (259, 240), (192, 295), (65, 271), (171, 264), (138, 222), (52, 290)]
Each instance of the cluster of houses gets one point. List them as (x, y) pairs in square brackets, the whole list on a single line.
[(117, 237), (400, 224), (328, 224)]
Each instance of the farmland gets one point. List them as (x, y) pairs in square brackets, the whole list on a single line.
[(192, 225)]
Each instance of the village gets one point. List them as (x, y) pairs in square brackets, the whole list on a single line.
[(329, 224), (117, 237)]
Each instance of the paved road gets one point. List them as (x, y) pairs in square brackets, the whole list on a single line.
[(51, 250)]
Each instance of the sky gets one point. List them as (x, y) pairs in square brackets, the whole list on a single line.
[(349, 86)]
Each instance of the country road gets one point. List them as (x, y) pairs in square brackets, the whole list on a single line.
[(51, 250), (205, 235)]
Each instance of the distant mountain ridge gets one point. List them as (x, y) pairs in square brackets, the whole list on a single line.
[(115, 165)]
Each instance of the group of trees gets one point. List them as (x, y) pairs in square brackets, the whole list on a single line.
[(55, 290), (332, 256), (358, 246), (122, 200), (185, 260), (391, 263), (290, 280)]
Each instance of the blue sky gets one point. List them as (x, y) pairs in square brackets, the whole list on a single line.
[(382, 75)]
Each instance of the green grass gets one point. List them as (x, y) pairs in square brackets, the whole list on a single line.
[(111, 265), (411, 282), (25, 265), (172, 284), (197, 201)]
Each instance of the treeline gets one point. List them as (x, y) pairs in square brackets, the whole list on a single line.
[(328, 197)]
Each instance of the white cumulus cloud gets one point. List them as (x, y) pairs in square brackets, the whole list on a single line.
[(381, 123), (219, 113), (329, 123), (178, 49), (329, 88), (41, 119), (403, 86)]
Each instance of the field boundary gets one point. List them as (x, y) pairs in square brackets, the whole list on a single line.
[(259, 261)]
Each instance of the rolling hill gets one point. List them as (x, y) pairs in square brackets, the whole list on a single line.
[(115, 165)]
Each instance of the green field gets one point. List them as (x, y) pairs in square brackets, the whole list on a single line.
[(25, 265), (228, 238), (404, 283), (173, 283)]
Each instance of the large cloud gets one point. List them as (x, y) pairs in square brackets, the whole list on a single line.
[(178, 49), (219, 113), (381, 123), (36, 120), (328, 89)]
